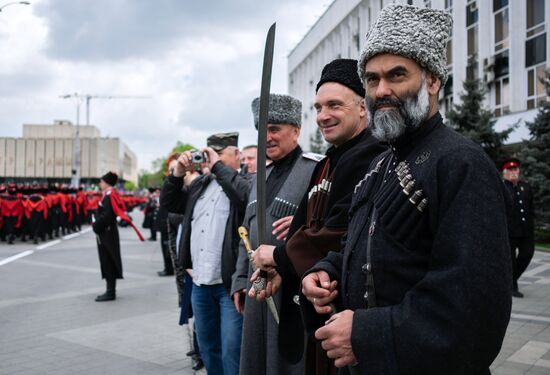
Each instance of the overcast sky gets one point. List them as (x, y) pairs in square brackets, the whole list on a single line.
[(198, 61)]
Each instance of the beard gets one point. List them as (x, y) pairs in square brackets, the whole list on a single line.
[(410, 111)]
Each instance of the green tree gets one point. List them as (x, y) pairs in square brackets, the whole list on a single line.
[(535, 156), (143, 178), (475, 122), (181, 147), (129, 186), (317, 142)]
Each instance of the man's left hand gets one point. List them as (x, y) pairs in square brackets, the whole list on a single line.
[(212, 158), (281, 227), (274, 282), (335, 337), (263, 257)]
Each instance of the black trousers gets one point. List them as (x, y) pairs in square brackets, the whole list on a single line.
[(164, 245), (523, 249), (9, 227)]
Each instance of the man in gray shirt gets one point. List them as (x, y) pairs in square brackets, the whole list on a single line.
[(213, 205)]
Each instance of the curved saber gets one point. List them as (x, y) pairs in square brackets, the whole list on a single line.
[(261, 159), (262, 133)]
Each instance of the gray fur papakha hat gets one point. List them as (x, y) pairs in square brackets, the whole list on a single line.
[(283, 109), (419, 34)]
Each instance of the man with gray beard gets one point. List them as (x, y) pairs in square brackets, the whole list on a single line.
[(423, 284)]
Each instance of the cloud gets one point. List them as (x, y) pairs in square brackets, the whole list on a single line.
[(198, 62), (125, 29)]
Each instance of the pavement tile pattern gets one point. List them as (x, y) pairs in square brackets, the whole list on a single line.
[(50, 324)]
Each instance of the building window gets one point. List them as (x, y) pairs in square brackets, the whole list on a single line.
[(535, 88), (428, 3), (535, 17), (448, 5), (535, 50), (501, 67), (410, 2), (472, 41), (501, 27), (472, 69), (499, 4), (449, 53), (535, 43), (447, 95), (472, 14), (502, 96)]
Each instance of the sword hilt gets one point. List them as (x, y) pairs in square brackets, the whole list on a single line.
[(261, 282)]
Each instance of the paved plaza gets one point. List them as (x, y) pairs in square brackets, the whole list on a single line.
[(50, 324)]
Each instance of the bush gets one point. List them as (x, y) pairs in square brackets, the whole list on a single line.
[(542, 235)]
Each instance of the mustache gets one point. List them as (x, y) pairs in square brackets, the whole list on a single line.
[(386, 101)]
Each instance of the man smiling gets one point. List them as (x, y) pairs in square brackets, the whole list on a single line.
[(322, 217), (423, 283), (287, 180)]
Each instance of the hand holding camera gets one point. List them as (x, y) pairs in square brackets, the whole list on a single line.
[(185, 164), (190, 161), (211, 157)]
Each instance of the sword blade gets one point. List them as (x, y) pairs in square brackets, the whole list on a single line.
[(262, 133), (271, 304), (261, 158)]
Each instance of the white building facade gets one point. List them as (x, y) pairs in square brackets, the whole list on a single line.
[(507, 37), (46, 152)]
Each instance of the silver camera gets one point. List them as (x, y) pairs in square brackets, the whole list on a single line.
[(198, 157)]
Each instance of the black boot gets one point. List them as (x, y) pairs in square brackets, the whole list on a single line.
[(515, 291), (197, 363), (110, 293)]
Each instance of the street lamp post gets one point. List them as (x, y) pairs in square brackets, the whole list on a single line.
[(75, 170), (14, 3)]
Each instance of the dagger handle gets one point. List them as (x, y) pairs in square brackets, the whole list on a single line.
[(261, 282)]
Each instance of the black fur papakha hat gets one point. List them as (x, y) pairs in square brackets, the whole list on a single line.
[(110, 178), (283, 109), (344, 72), (221, 140), (420, 34)]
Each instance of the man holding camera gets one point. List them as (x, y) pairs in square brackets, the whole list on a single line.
[(213, 205)]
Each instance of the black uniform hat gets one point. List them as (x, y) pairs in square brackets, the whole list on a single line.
[(344, 72), (222, 140), (110, 178), (510, 163), (12, 189)]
